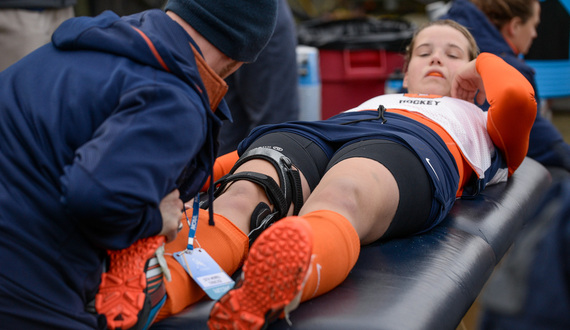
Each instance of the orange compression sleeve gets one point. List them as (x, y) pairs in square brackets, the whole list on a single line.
[(512, 107), (222, 166)]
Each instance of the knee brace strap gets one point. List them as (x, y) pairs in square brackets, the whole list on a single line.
[(282, 196)]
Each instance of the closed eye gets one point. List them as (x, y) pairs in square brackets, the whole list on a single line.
[(423, 50), (455, 52)]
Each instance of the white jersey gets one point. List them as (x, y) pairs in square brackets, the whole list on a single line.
[(463, 121)]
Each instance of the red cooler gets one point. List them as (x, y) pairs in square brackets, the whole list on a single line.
[(356, 57), (350, 77)]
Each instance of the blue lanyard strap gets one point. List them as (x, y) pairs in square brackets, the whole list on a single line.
[(192, 225)]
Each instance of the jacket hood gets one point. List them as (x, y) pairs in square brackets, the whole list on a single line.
[(150, 38), (485, 33)]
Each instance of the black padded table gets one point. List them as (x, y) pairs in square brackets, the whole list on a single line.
[(427, 281)]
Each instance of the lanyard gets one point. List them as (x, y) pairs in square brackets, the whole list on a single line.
[(194, 223), (199, 264)]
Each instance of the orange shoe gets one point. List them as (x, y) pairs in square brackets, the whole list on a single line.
[(132, 291), (272, 280)]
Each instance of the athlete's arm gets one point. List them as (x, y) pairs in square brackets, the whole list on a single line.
[(512, 104)]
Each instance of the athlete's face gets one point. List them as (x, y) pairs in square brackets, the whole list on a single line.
[(439, 51), (521, 35)]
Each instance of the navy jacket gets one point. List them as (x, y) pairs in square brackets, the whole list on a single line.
[(96, 128), (546, 143)]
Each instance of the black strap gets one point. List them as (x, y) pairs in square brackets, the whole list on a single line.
[(271, 188), (297, 191), (381, 111)]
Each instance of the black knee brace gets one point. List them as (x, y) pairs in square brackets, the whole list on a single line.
[(281, 196)]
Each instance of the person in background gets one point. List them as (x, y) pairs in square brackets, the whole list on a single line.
[(529, 289), (264, 92), (104, 133), (391, 167), (507, 28), (28, 24)]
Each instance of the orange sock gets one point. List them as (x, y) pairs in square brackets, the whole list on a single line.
[(222, 166), (224, 242), (336, 248)]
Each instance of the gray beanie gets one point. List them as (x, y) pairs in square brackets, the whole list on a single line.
[(238, 28)]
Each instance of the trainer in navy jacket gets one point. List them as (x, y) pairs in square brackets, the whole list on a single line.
[(546, 143), (95, 129)]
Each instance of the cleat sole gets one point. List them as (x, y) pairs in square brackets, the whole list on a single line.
[(273, 275), (122, 295)]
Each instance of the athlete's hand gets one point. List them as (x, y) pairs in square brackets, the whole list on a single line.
[(467, 82), (170, 209)]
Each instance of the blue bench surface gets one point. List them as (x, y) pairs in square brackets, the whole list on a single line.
[(427, 281)]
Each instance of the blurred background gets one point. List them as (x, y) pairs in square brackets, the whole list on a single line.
[(548, 54), (302, 9)]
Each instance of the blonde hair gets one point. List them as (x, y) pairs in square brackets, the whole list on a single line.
[(473, 48), (500, 12)]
